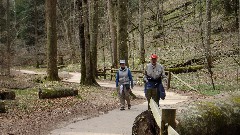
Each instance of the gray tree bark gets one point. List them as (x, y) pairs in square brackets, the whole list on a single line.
[(113, 33), (89, 80), (52, 70), (82, 42), (36, 34), (208, 53), (141, 32), (94, 34), (122, 34), (8, 44), (87, 43)]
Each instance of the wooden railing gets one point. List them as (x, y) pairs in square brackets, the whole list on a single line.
[(112, 72), (167, 122), (105, 72)]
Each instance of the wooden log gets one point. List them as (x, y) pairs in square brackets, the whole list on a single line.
[(169, 118), (155, 111), (56, 93), (179, 70), (145, 124), (7, 95), (2, 107)]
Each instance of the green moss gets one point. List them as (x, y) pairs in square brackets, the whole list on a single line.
[(220, 116), (57, 93), (236, 100)]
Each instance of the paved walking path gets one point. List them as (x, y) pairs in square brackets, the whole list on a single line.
[(115, 122)]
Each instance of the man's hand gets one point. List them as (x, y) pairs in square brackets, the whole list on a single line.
[(145, 80)]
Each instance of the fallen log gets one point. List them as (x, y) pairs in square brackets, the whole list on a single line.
[(179, 70), (145, 124), (201, 60), (7, 95), (52, 93)]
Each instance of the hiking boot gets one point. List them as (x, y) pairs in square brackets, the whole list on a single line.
[(122, 108), (129, 106)]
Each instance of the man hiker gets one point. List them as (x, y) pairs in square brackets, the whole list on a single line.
[(154, 74), (123, 82)]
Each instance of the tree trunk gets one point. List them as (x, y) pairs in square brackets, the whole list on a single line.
[(70, 31), (112, 23), (52, 70), (36, 34), (82, 42), (122, 34), (141, 30), (239, 31), (201, 21), (208, 37), (89, 80), (87, 43), (8, 54), (94, 34), (236, 12)]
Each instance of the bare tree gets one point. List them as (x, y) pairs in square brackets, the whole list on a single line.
[(52, 70), (82, 42), (8, 44), (89, 80), (94, 34), (36, 34), (208, 37), (113, 33), (122, 34), (141, 32)]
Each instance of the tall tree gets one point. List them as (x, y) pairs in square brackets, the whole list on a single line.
[(208, 37), (239, 32), (122, 34), (113, 33), (89, 80), (8, 55), (94, 34), (87, 43), (52, 70), (82, 42), (36, 33), (141, 30)]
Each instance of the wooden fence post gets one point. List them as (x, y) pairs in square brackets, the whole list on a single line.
[(169, 79), (104, 73), (168, 117), (111, 73)]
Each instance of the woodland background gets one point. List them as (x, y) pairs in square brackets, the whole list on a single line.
[(90, 35)]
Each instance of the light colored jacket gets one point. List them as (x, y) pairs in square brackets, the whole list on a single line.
[(155, 71), (124, 76)]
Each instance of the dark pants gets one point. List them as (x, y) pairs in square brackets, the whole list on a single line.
[(152, 93)]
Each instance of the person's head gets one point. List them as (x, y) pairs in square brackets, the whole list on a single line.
[(122, 63), (154, 59)]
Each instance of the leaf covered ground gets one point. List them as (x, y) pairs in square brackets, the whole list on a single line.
[(29, 115)]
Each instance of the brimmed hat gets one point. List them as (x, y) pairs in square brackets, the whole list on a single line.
[(122, 61), (154, 56)]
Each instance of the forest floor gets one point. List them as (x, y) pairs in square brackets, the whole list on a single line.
[(29, 115)]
